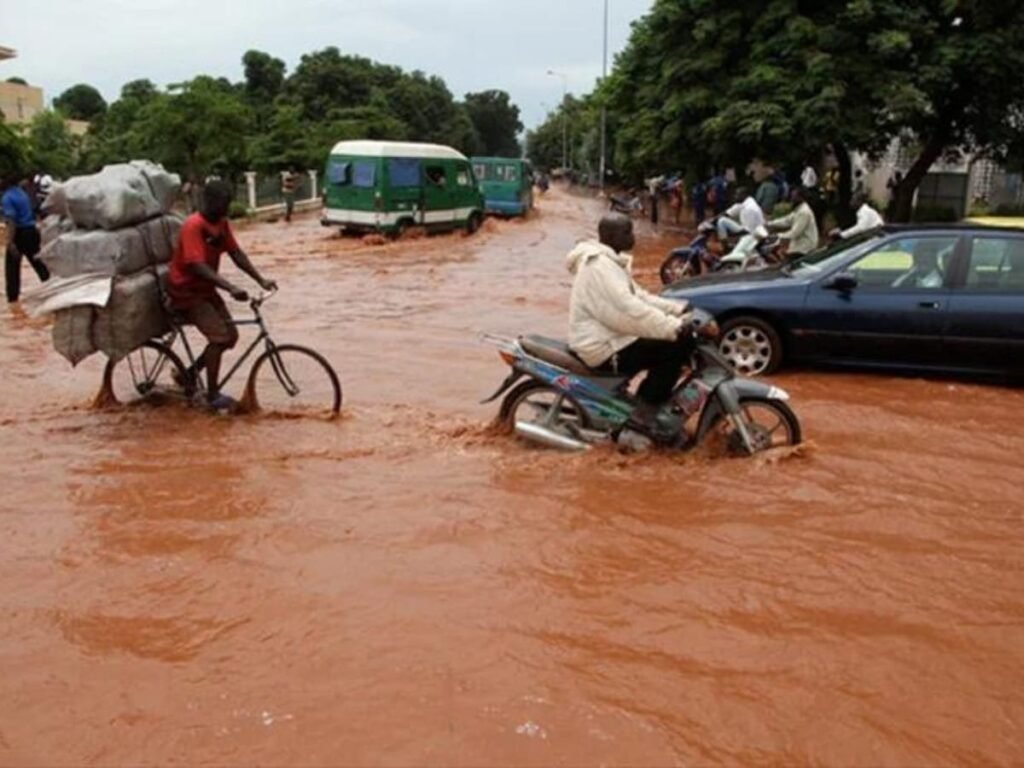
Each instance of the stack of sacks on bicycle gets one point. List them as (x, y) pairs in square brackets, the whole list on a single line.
[(123, 230)]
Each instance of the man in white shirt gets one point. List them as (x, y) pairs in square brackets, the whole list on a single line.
[(867, 219), (742, 218)]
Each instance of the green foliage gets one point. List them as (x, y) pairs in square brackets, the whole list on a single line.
[(580, 121), (200, 128), (17, 80), (718, 84), (80, 102), (273, 119), (237, 210), (13, 152), (52, 147), (496, 121)]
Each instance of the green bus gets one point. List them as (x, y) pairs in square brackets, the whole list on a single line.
[(507, 184), (387, 186)]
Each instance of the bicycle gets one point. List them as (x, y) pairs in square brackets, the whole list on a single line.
[(287, 378)]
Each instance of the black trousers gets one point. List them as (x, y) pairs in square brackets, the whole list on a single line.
[(663, 360), (27, 241)]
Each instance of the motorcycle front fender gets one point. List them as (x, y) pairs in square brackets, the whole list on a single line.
[(726, 397)]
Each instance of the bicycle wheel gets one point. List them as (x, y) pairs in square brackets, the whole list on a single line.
[(153, 371), (294, 380)]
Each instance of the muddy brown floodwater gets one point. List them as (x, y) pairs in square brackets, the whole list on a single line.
[(402, 587)]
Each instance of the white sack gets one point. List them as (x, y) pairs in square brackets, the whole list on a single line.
[(118, 252), (133, 315), (63, 292), (72, 333), (121, 195)]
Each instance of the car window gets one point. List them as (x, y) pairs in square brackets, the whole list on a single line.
[(997, 264), (824, 260), (913, 263), (480, 170)]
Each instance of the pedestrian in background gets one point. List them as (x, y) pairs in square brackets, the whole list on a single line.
[(289, 182), (23, 238)]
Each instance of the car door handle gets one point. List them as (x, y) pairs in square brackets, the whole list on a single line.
[(930, 305)]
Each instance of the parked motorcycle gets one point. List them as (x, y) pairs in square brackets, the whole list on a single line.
[(553, 399), (751, 251), (630, 205)]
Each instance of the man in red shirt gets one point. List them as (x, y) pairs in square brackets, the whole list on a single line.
[(193, 281)]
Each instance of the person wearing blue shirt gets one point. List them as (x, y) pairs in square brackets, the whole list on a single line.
[(22, 236)]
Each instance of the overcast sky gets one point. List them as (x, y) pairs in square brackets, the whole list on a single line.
[(473, 44)]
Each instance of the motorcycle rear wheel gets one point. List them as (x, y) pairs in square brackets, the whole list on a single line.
[(534, 400), (771, 422)]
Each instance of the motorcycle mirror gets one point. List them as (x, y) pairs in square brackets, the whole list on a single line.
[(844, 282)]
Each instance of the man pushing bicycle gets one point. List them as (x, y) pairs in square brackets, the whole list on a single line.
[(194, 278)]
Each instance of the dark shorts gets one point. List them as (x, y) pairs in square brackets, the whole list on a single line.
[(213, 320)]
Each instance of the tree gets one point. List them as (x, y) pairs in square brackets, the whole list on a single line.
[(52, 148), (81, 102), (496, 121), (17, 80), (197, 129), (116, 136), (264, 77), (326, 80), (782, 79), (13, 152)]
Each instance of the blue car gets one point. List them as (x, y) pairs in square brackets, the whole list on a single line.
[(930, 298)]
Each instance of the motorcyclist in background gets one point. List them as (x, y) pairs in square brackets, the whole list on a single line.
[(742, 218)]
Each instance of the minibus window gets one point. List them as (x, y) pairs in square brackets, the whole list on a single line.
[(404, 172), (364, 174), (337, 172)]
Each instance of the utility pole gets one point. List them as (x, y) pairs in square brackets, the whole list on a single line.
[(565, 117), (604, 109)]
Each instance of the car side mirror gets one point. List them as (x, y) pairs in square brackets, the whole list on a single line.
[(844, 282)]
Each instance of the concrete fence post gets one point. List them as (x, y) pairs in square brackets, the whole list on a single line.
[(312, 179), (250, 184)]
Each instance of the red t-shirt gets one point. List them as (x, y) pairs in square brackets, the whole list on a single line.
[(200, 242)]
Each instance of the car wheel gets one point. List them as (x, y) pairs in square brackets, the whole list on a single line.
[(474, 222), (751, 345)]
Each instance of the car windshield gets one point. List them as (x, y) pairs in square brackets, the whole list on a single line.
[(824, 259)]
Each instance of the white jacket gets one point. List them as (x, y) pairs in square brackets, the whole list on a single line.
[(608, 311)]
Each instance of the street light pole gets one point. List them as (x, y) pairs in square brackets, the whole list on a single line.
[(565, 117), (604, 109)]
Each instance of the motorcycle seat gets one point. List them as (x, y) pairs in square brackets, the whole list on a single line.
[(554, 352)]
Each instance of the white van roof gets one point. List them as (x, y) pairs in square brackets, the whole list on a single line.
[(396, 149)]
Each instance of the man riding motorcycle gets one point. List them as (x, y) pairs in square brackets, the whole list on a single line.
[(742, 218), (616, 326)]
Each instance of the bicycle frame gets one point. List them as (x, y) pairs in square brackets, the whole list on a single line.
[(263, 336)]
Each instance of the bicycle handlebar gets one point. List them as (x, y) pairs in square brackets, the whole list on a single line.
[(257, 301)]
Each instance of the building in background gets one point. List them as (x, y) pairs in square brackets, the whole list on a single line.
[(18, 103)]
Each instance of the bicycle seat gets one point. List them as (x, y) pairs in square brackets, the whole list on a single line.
[(554, 352)]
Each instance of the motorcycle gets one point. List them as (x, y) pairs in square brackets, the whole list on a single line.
[(752, 251), (553, 399), (630, 205)]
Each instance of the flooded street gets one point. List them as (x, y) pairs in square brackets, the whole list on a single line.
[(404, 587)]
